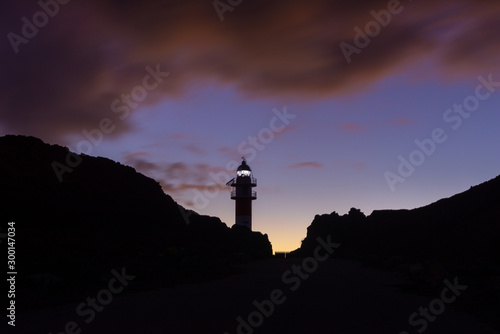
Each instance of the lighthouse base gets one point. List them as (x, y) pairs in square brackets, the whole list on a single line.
[(244, 221)]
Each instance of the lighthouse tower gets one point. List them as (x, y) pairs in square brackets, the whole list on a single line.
[(243, 194)]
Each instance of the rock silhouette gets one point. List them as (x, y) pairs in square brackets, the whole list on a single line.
[(453, 237), (463, 229), (105, 215)]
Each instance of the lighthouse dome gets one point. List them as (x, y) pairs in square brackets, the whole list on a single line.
[(244, 166)]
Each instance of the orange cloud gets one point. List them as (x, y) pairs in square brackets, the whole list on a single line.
[(135, 155), (308, 164), (178, 179)]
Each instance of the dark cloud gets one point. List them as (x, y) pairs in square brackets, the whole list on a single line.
[(65, 79)]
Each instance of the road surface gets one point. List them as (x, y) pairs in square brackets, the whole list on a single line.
[(335, 296)]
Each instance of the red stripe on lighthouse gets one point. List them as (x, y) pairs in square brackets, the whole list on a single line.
[(243, 207)]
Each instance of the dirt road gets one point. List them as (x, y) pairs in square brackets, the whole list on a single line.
[(270, 296)]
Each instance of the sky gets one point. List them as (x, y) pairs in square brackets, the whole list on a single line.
[(334, 104)]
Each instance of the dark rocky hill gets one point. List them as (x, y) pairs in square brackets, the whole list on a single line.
[(456, 237), (463, 230), (104, 215)]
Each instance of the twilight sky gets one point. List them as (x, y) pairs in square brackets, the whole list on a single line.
[(373, 105)]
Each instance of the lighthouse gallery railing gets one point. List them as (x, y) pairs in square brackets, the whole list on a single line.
[(233, 194)]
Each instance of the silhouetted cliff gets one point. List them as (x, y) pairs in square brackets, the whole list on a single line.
[(105, 215), (453, 237), (463, 229)]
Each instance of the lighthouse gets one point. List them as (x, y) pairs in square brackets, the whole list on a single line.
[(243, 194)]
